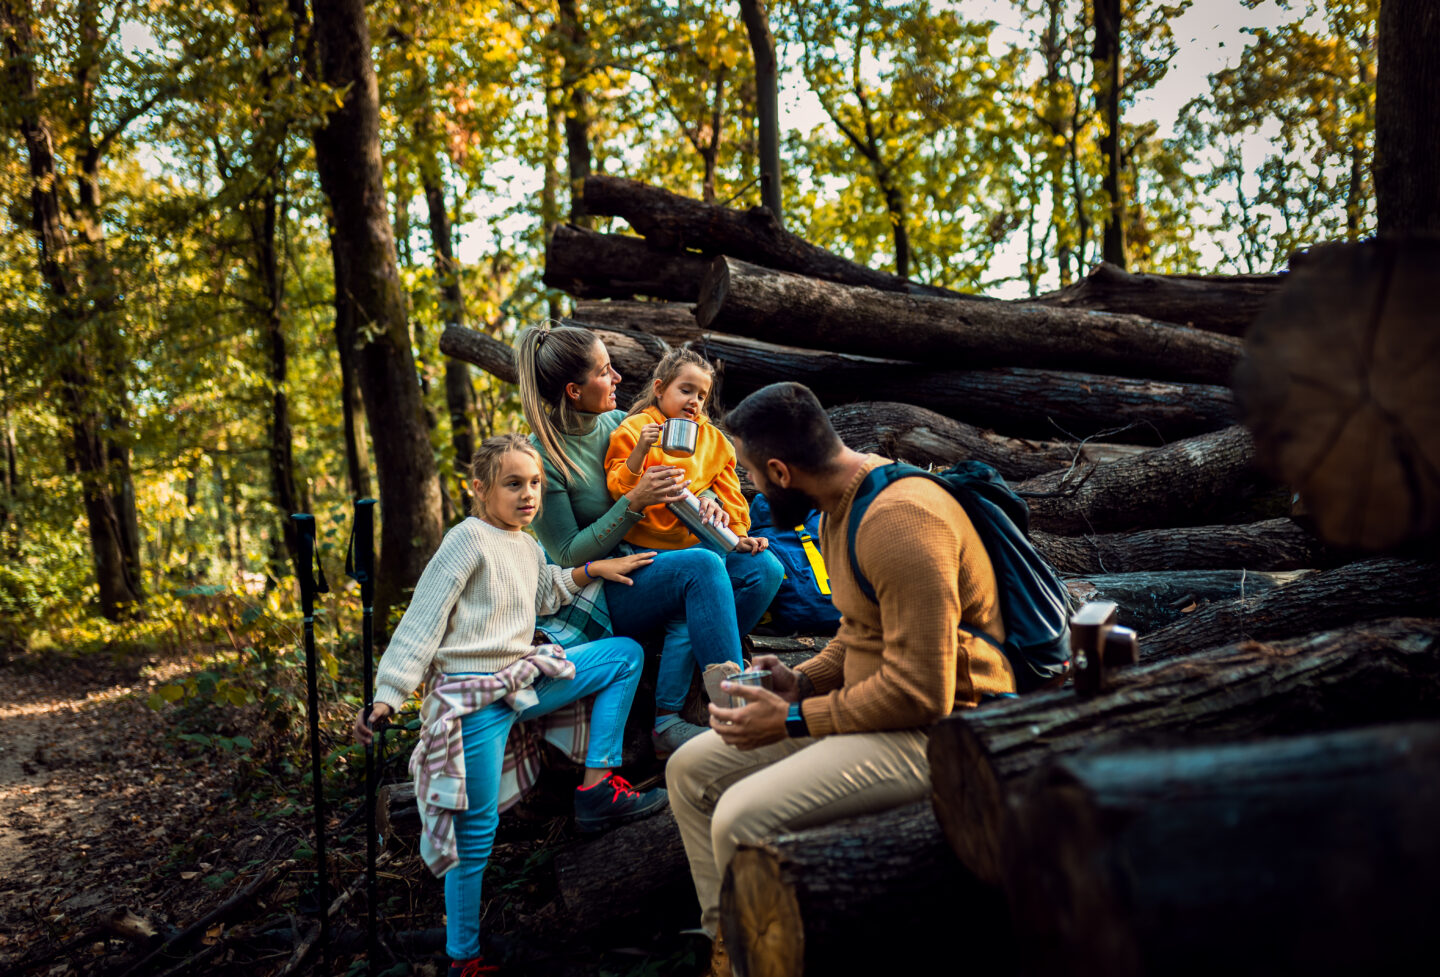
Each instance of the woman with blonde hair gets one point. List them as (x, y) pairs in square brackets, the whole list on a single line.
[(567, 390)]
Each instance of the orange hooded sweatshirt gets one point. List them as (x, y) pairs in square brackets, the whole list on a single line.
[(712, 467)]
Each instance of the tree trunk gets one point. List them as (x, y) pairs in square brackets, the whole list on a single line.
[(352, 407), (767, 104), (1407, 119), (1384, 670), (282, 458), (672, 223), (673, 322), (1188, 482), (1106, 56), (1217, 303), (1017, 401), (597, 894), (588, 264), (1355, 592), (1303, 855), (347, 152), (1274, 544), (1151, 600), (81, 372), (922, 437), (459, 392), (1341, 385), (865, 895), (575, 65), (740, 298)]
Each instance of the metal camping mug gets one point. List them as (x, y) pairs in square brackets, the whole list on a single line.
[(755, 676), (678, 436)]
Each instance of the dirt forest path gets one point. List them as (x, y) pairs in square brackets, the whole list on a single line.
[(96, 809)]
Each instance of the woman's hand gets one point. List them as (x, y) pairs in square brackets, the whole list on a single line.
[(616, 568), (713, 512), (659, 484), (365, 732), (752, 544)]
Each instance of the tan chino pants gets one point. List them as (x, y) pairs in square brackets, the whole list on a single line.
[(723, 797)]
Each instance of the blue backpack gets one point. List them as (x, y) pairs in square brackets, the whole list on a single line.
[(802, 604), (1034, 603)]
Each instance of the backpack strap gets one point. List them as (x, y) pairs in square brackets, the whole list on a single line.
[(875, 482)]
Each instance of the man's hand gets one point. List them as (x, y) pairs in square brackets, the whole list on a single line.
[(760, 722), (783, 679)]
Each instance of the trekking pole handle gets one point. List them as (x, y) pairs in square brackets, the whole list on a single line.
[(360, 562)]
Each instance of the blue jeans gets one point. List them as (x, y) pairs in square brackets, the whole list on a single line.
[(704, 602), (609, 669)]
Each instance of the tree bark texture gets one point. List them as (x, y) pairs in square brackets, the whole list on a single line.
[(863, 895), (1272, 544), (1407, 119), (767, 104), (347, 152), (923, 437), (673, 322), (1152, 599), (1189, 482), (671, 222), (1108, 24), (1311, 855), (282, 456), (82, 372), (1341, 385), (1376, 672), (588, 264), (751, 301), (575, 65), (1017, 401), (1361, 591), (623, 873), (1217, 303)]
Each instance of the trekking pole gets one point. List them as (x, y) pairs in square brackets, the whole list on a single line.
[(360, 566), (309, 587)]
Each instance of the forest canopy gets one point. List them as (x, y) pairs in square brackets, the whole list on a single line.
[(172, 382)]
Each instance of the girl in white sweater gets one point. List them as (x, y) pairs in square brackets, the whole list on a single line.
[(469, 628)]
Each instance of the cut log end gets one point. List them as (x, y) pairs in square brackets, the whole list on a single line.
[(768, 934), (968, 798)]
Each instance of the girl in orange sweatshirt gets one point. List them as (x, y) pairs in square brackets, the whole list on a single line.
[(679, 388)]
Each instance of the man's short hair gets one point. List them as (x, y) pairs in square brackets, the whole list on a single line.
[(785, 421)]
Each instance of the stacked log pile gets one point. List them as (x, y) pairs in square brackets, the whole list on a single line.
[(1108, 406)]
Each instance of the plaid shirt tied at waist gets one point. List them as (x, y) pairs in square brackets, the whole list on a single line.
[(438, 761)]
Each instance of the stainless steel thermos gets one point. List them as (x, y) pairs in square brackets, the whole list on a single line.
[(687, 510)]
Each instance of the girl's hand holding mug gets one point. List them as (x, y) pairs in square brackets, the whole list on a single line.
[(616, 568), (658, 485), (649, 434), (365, 732)]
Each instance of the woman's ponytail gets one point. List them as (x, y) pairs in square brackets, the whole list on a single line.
[(547, 359)]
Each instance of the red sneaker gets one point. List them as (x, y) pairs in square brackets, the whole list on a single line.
[(473, 968)]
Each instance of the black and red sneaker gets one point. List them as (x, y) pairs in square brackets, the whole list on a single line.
[(476, 967), (613, 801)]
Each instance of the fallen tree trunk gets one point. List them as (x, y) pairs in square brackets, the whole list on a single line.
[(670, 222), (1273, 544), (1208, 478), (1218, 303), (673, 322), (859, 896), (1152, 599), (1019, 401), (751, 301), (923, 437), (1307, 855), (588, 264), (1382, 671), (1361, 591), (478, 349), (622, 873)]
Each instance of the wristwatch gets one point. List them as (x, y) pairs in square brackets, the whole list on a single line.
[(795, 722)]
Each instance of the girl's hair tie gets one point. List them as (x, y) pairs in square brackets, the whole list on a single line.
[(541, 340)]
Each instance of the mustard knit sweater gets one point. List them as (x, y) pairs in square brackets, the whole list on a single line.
[(904, 662), (711, 467)]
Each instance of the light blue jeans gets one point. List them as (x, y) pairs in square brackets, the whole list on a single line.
[(609, 669), (704, 601)]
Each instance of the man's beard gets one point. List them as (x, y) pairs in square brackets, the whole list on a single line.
[(788, 506)]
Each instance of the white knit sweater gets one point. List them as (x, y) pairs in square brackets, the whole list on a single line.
[(474, 608)]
